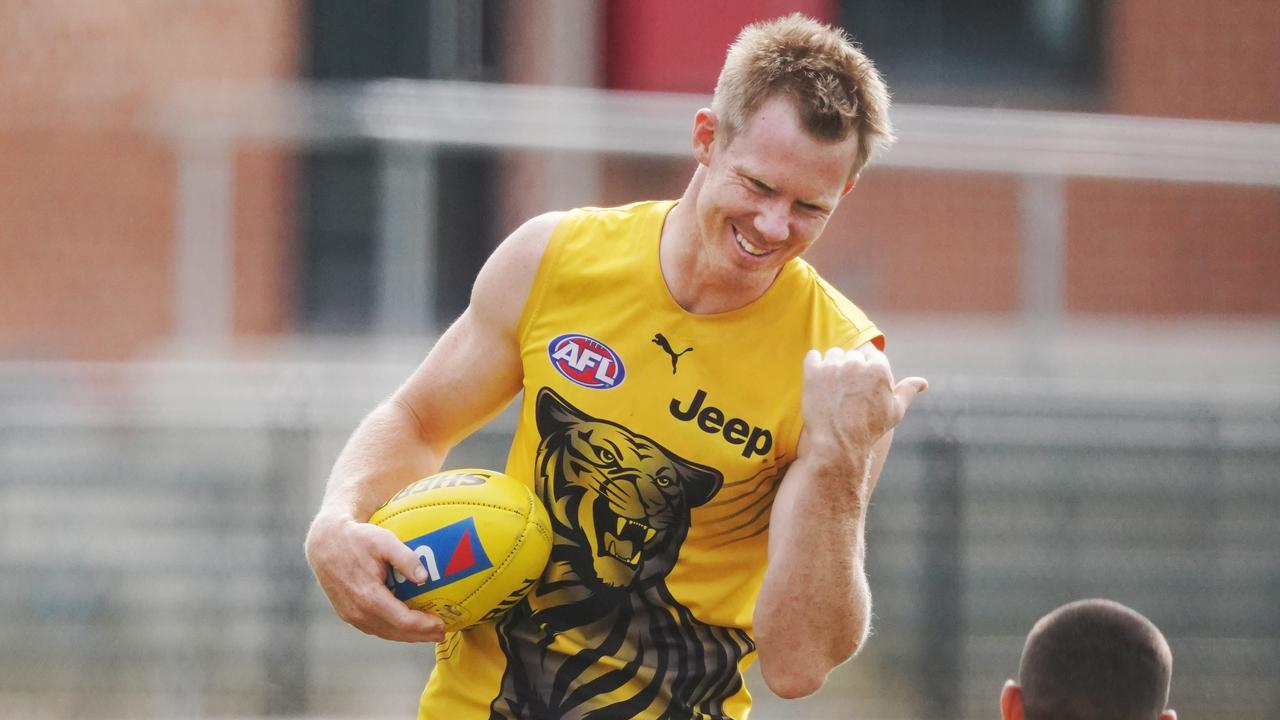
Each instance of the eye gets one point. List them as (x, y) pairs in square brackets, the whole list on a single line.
[(758, 185), (663, 480), (605, 455)]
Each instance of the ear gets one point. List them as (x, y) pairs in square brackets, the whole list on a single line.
[(1011, 701), (554, 413), (848, 186), (1169, 715), (705, 124)]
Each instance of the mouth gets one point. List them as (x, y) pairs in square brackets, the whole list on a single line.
[(749, 247), (625, 540)]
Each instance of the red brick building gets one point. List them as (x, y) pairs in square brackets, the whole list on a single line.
[(89, 206)]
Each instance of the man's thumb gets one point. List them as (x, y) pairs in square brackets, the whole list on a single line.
[(907, 389)]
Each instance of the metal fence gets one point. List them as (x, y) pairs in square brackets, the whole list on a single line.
[(151, 525), (1010, 504)]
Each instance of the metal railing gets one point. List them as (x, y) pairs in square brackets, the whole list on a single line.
[(410, 120), (151, 521)]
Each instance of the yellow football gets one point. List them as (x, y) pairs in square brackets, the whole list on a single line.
[(483, 537)]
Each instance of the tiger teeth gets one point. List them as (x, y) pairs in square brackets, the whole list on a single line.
[(624, 523), (623, 550)]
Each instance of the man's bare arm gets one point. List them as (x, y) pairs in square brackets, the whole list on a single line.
[(814, 608), (470, 374)]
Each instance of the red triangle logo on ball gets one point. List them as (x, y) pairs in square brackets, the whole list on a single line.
[(463, 556)]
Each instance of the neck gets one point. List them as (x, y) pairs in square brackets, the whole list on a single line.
[(694, 279)]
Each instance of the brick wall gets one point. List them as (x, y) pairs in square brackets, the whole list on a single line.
[(1195, 58), (87, 195), (1173, 249), (926, 241), (1181, 248)]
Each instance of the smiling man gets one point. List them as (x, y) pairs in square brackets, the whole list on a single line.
[(706, 512)]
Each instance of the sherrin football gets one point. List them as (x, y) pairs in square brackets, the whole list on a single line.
[(483, 537)]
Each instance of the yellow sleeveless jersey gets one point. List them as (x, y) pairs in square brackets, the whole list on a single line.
[(657, 439)]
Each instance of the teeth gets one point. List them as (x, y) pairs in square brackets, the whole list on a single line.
[(622, 549), (747, 245), (624, 523)]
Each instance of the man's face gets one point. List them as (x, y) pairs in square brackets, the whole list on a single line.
[(769, 191)]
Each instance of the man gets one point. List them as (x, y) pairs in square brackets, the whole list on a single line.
[(680, 551), (1091, 660)]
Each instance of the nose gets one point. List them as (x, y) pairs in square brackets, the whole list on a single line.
[(772, 223)]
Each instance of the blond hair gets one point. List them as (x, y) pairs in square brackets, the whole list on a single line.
[(832, 84)]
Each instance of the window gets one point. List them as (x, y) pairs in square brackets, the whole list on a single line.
[(1009, 53), (340, 195)]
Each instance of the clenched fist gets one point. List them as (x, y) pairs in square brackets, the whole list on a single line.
[(851, 400)]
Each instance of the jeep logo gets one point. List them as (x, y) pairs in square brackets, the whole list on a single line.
[(735, 431)]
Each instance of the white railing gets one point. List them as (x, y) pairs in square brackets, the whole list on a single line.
[(413, 118), (592, 120)]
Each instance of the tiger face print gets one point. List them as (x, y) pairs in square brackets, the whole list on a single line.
[(618, 497), (620, 506)]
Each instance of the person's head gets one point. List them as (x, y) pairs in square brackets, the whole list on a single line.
[(1091, 660), (797, 112), (835, 88)]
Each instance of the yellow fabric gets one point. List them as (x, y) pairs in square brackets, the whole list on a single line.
[(661, 482)]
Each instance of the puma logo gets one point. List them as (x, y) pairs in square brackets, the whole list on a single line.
[(661, 342)]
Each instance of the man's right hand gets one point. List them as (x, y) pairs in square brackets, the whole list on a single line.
[(350, 561), (408, 436)]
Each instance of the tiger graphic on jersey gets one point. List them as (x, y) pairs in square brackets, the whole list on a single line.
[(619, 504)]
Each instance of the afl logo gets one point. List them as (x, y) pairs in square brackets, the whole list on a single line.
[(586, 361)]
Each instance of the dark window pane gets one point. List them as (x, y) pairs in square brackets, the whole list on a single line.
[(465, 228), (1019, 53), (340, 212), (369, 39), (339, 216)]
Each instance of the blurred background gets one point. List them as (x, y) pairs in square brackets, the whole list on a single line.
[(228, 228)]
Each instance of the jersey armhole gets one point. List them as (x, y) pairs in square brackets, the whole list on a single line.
[(868, 334), (865, 330), (545, 273)]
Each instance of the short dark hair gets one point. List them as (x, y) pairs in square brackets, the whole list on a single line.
[(1095, 660)]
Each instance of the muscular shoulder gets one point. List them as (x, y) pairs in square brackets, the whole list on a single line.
[(503, 285), (518, 256)]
